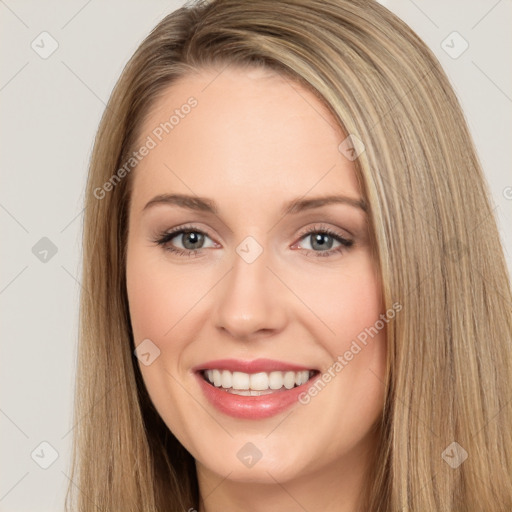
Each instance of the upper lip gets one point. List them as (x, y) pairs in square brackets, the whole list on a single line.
[(252, 366)]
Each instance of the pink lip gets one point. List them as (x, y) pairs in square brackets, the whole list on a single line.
[(251, 407), (254, 366)]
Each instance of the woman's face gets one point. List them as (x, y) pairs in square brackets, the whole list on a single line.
[(257, 293)]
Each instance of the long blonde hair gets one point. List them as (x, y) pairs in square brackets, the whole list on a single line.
[(437, 245)]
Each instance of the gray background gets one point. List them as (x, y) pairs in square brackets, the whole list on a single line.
[(50, 109)]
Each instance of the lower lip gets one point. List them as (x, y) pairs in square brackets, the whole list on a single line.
[(251, 407)]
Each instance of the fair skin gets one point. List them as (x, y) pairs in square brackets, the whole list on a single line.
[(252, 144)]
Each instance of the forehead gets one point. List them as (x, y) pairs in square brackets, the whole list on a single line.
[(246, 135)]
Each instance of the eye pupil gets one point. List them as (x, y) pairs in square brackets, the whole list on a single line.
[(319, 239), (196, 239)]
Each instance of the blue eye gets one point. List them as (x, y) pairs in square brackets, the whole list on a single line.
[(323, 238), (189, 235), (194, 238)]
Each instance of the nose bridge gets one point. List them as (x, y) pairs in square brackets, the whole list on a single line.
[(250, 300)]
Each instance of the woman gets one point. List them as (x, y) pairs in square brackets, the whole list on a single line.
[(223, 364)]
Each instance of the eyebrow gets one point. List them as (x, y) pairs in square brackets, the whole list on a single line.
[(291, 207)]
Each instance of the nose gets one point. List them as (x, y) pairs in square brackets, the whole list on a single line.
[(252, 300)]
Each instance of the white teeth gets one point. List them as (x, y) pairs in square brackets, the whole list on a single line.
[(240, 380), (275, 380), (255, 383), (301, 378), (289, 380), (248, 392), (259, 381), (227, 379), (217, 379)]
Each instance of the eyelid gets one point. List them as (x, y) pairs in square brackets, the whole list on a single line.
[(326, 229), (182, 229), (345, 243), (166, 237), (318, 227)]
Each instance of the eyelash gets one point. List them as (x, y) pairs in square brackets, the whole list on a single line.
[(167, 236)]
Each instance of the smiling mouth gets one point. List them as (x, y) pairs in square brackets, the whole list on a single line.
[(256, 384)]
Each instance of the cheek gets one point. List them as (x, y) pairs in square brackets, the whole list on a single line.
[(343, 303), (348, 324), (149, 308), (158, 300), (158, 296)]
